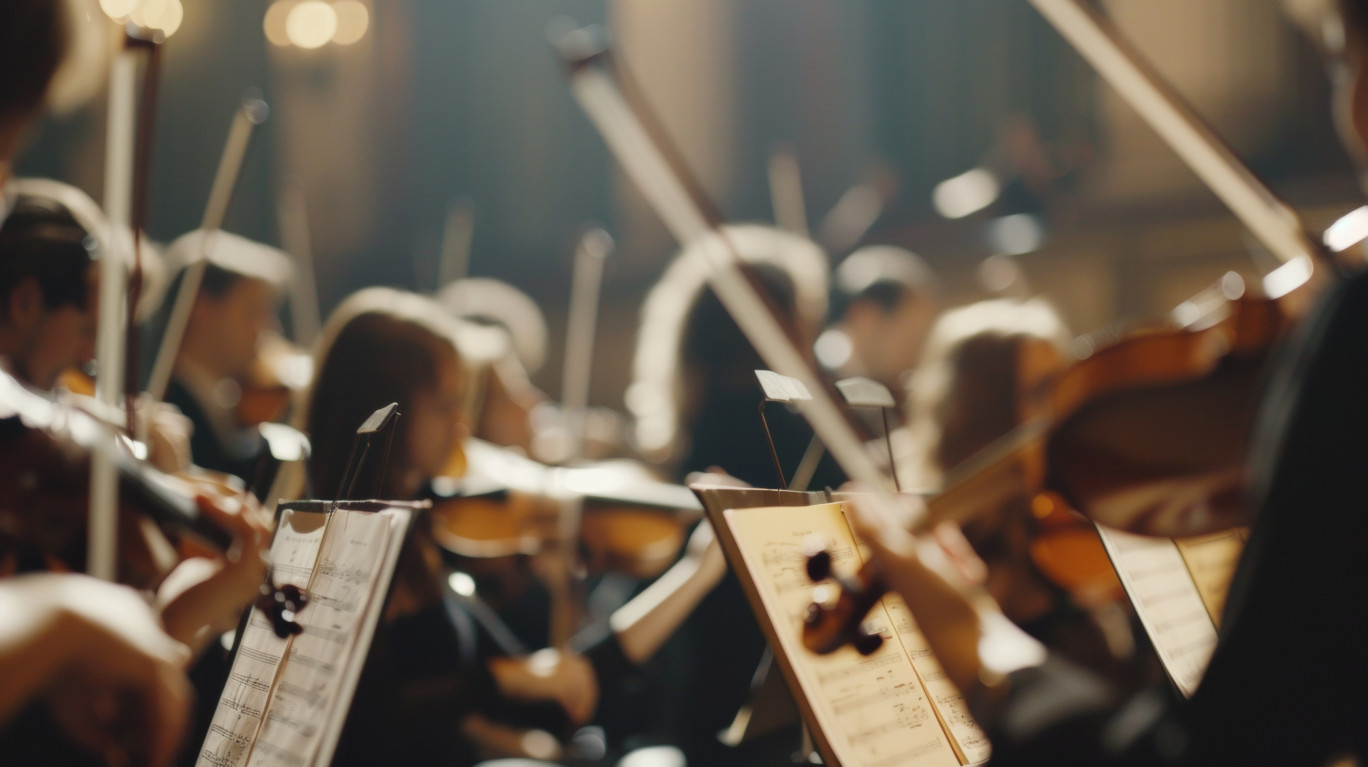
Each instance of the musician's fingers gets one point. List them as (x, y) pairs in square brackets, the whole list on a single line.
[(238, 519)]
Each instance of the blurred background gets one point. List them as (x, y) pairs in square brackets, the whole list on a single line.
[(965, 130)]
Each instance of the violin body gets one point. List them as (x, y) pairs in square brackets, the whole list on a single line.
[(627, 522)]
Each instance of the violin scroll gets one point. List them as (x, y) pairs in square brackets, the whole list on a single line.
[(826, 627), (281, 604)]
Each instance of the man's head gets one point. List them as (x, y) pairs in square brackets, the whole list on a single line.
[(885, 302), (47, 290), (32, 41), (237, 299)]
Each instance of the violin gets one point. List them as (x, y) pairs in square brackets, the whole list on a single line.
[(279, 372), (506, 505), (47, 449), (1195, 389)]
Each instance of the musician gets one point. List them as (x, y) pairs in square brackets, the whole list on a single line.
[(49, 246), (384, 345), (1284, 685), (884, 302), (984, 371), (234, 308), (505, 344), (695, 398)]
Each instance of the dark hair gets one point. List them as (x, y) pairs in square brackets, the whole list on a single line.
[(33, 39), (217, 281), (42, 240), (982, 405), (376, 356), (883, 275)]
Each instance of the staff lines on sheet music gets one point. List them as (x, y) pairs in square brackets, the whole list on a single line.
[(905, 757), (863, 668)]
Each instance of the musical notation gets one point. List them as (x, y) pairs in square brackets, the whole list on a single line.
[(286, 698), (1167, 602), (873, 709)]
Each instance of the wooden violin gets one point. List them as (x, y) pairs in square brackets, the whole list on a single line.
[(47, 448), (1148, 432), (507, 505)]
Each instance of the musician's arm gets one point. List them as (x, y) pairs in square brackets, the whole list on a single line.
[(86, 645)]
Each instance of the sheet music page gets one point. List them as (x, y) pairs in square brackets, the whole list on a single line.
[(304, 715), (1166, 599), (873, 710), (1211, 560), (950, 705), (238, 716)]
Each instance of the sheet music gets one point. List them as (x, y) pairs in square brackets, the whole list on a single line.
[(950, 705), (1167, 601), (1211, 560), (238, 716), (873, 710), (310, 698)]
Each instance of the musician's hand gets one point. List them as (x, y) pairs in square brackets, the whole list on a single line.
[(565, 678), (937, 576), (96, 653), (168, 434), (204, 597)]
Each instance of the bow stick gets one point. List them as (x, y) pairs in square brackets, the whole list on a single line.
[(651, 163), (127, 154), (1270, 219), (251, 113), (594, 248)]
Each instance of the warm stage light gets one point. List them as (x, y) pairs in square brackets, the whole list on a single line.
[(352, 21), (311, 24), (274, 23), (118, 9), (162, 15)]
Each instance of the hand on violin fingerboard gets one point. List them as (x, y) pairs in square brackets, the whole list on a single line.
[(204, 597)]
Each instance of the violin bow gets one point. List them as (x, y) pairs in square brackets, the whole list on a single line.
[(1271, 220), (249, 114), (786, 190), (595, 245), (458, 236), (293, 213), (127, 158), (651, 162)]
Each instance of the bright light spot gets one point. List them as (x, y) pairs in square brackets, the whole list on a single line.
[(311, 24), (1232, 286), (274, 23), (1082, 347), (966, 193), (1016, 235), (118, 9), (462, 584), (833, 349), (163, 15), (352, 21), (540, 744), (1348, 231), (999, 274), (1287, 277), (1186, 313)]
